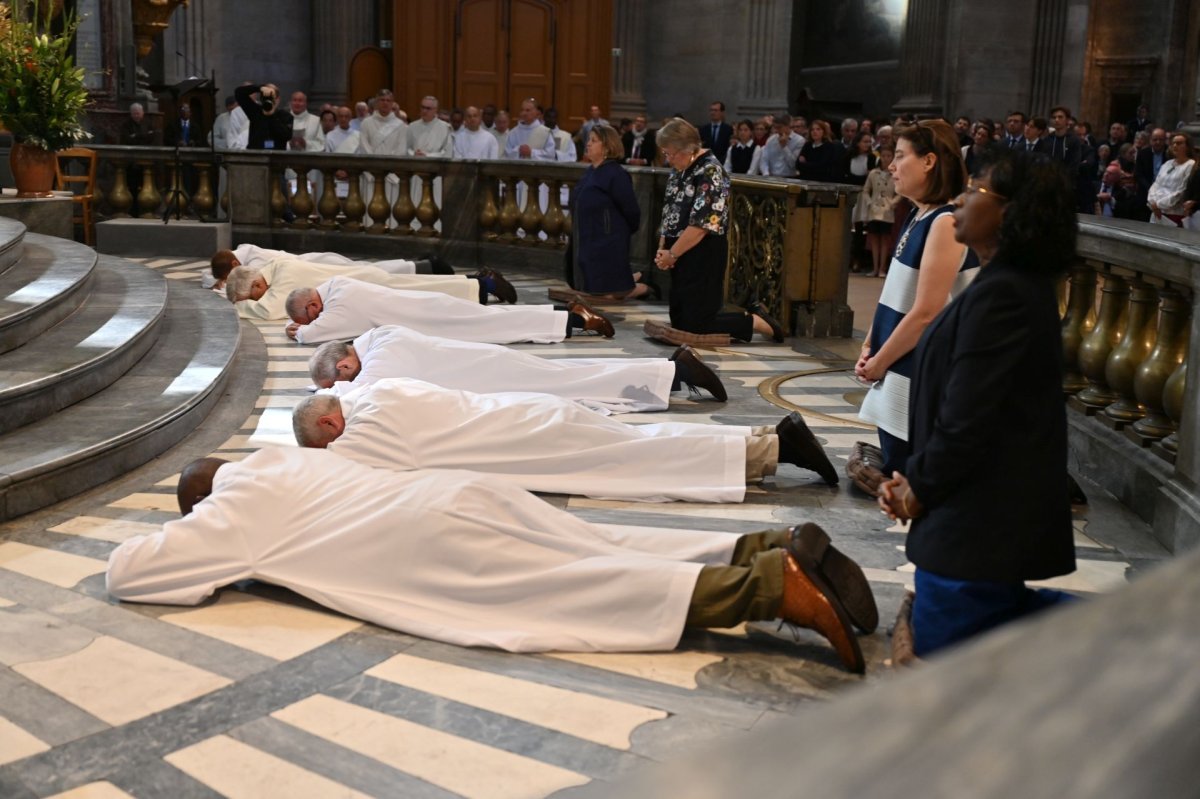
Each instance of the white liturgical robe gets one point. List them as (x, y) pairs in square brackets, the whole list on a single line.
[(383, 135), (541, 443), (283, 275), (479, 144), (253, 255), (446, 555), (352, 307), (541, 142), (618, 385), (308, 127), (431, 138), (343, 142)]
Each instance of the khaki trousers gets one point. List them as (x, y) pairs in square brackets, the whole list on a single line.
[(749, 589), (762, 454)]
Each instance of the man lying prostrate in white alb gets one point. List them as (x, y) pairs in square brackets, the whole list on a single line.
[(341, 308), (224, 261), (261, 293), (617, 385), (460, 558), (545, 443)]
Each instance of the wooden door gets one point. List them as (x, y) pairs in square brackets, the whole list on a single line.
[(370, 70), (504, 52), (531, 52)]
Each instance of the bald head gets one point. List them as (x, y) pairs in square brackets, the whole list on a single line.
[(317, 421), (195, 482)]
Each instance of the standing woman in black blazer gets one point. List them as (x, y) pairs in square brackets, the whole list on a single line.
[(986, 485)]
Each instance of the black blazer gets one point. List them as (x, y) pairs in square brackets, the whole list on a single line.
[(1144, 172), (988, 430), (649, 148), (720, 145)]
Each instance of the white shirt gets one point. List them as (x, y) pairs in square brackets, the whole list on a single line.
[(780, 160), (352, 307), (478, 144), (541, 142), (433, 138), (308, 127), (380, 135), (564, 146), (219, 135), (1168, 188), (755, 157), (239, 129), (407, 551)]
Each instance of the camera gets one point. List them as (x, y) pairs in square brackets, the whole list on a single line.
[(268, 103)]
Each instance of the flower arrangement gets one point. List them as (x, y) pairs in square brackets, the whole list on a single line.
[(42, 93)]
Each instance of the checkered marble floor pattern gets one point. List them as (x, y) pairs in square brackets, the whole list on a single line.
[(259, 693)]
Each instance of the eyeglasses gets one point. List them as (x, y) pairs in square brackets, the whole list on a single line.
[(975, 189)]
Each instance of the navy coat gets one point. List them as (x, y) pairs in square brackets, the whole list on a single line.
[(604, 215)]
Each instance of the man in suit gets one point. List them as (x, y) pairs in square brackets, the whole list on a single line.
[(718, 133), (1140, 122), (1014, 130), (1035, 136), (182, 131), (1145, 170), (640, 149)]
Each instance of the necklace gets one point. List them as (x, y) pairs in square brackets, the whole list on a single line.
[(908, 229)]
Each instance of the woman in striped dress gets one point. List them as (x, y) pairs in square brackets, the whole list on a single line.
[(928, 268)]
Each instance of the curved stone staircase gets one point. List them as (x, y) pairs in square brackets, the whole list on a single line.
[(104, 364)]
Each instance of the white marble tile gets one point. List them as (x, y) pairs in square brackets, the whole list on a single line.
[(275, 383), (465, 767), (58, 568), (102, 529), (94, 790), (269, 628), (118, 682), (147, 501), (170, 481), (1090, 576), (748, 513), (297, 365), (669, 668), (16, 743), (277, 401), (239, 771), (604, 721), (179, 276), (29, 634), (900, 576)]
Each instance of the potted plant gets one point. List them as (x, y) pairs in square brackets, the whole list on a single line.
[(42, 94)]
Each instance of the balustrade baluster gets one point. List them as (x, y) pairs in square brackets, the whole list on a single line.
[(224, 193), (120, 199), (531, 216), (353, 207), (1096, 347), (328, 205), (567, 218), (427, 211), (489, 214), (510, 215), (148, 198), (378, 208), (403, 210), (552, 222), (1150, 381), (1172, 402), (302, 202), (203, 201), (1123, 362), (1079, 321), (278, 200)]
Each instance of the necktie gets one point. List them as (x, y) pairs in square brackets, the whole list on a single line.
[(716, 127), (1029, 145)]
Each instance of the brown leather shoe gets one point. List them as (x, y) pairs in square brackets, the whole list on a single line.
[(592, 319), (812, 549), (864, 467), (803, 448), (809, 602), (702, 375), (903, 653)]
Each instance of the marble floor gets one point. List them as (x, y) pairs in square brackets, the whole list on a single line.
[(258, 693)]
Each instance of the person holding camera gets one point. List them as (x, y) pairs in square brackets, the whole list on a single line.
[(268, 130)]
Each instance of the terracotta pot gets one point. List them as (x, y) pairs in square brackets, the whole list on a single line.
[(33, 170)]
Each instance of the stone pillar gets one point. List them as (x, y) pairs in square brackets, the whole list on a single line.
[(1049, 35), (767, 47), (629, 36), (923, 58), (339, 27)]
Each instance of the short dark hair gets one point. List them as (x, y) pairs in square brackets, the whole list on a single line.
[(1086, 125), (1066, 111), (1020, 114), (949, 176), (1041, 123), (222, 264), (1039, 226), (718, 104)]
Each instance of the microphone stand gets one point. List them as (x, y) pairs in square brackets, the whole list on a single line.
[(176, 197)]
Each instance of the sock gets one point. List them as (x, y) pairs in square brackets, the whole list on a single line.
[(488, 283), (682, 375), (574, 321), (424, 267)]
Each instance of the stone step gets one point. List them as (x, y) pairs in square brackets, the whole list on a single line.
[(51, 279), (12, 241), (148, 410), (116, 325)]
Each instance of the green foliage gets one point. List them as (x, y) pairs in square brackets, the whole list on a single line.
[(42, 94)]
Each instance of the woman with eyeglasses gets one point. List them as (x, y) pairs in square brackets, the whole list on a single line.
[(1166, 197), (692, 241), (986, 486), (928, 267)]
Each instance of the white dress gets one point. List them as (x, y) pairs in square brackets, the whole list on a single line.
[(285, 274), (541, 443), (450, 556), (617, 385), (253, 255), (352, 307)]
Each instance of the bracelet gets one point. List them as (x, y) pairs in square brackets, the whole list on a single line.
[(671, 253)]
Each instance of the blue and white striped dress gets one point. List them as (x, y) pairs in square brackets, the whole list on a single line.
[(886, 403)]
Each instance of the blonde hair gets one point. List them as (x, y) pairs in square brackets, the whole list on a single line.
[(679, 135)]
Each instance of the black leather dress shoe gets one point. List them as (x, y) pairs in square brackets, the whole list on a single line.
[(501, 288), (798, 446), (758, 310), (699, 373), (438, 265), (593, 320)]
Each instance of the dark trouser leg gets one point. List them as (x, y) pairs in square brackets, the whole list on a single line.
[(698, 289), (726, 596), (895, 452), (751, 544), (946, 611), (423, 267)]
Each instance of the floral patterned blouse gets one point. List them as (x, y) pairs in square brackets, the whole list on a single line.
[(698, 196)]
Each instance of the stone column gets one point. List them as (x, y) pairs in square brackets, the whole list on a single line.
[(629, 36), (1049, 36), (339, 27), (923, 58), (764, 87)]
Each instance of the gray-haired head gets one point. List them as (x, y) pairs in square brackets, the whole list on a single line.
[(296, 304), (237, 285), (317, 420), (323, 363)]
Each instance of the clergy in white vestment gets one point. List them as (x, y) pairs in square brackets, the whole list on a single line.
[(343, 139), (218, 137), (542, 443), (262, 293), (342, 308), (252, 255), (383, 133), (564, 145), (456, 557), (430, 136), (500, 130), (239, 130), (530, 139), (472, 141), (306, 126), (617, 385)]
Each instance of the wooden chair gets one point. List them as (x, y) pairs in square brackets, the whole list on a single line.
[(82, 187)]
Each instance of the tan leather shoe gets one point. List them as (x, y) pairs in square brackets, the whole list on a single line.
[(592, 319), (813, 550), (808, 602)]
